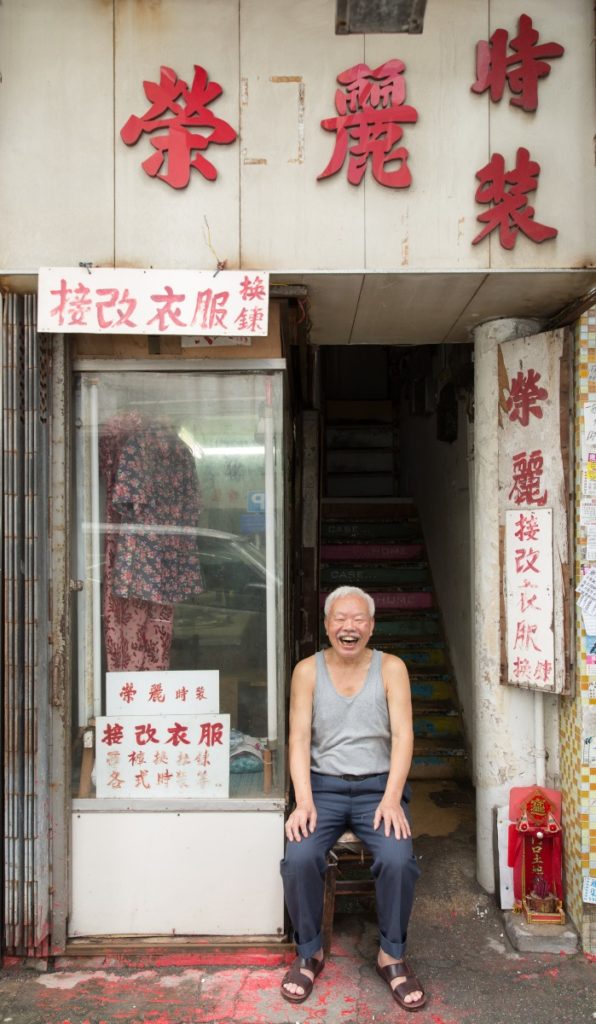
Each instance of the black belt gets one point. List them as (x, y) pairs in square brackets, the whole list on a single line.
[(359, 778)]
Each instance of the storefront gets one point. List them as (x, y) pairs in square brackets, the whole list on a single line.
[(162, 469)]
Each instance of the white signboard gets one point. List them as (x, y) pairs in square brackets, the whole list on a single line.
[(529, 598), (163, 757), (104, 300), (162, 693)]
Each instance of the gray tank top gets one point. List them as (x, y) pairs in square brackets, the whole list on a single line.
[(350, 735)]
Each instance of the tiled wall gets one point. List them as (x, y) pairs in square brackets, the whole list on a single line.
[(578, 778)]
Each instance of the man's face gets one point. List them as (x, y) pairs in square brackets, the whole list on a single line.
[(349, 625)]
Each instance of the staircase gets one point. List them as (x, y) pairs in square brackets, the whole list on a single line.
[(375, 541)]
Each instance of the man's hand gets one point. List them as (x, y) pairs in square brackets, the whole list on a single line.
[(391, 813), (302, 820)]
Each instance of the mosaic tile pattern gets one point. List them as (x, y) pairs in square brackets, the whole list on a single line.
[(578, 777)]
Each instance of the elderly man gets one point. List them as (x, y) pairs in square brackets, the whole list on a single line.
[(351, 741)]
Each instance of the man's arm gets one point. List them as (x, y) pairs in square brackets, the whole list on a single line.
[(399, 702), (303, 818)]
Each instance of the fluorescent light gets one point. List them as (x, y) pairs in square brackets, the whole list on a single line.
[(200, 451)]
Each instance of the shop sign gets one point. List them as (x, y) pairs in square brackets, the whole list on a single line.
[(104, 300), (164, 693), (532, 502), (162, 756), (529, 590)]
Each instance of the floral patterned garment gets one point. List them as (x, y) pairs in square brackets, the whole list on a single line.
[(137, 634), (156, 497)]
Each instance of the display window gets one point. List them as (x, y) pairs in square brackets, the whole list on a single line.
[(178, 670)]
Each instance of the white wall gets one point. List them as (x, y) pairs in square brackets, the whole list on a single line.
[(436, 474), (71, 190)]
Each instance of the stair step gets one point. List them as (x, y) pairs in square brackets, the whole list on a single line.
[(397, 599), (347, 485), (368, 509), (417, 658), (407, 626), (432, 689), (371, 552), (439, 726), (359, 412), (356, 460), (434, 759), (358, 436), (398, 529), (375, 573)]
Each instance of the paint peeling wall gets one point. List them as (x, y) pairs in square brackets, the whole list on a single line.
[(579, 779)]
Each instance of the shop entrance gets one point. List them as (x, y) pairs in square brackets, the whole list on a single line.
[(395, 519)]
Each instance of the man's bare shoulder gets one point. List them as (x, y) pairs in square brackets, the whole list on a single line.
[(305, 672), (393, 668)]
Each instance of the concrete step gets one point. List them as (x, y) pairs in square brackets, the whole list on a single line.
[(435, 759), (370, 437), (396, 600), (432, 689), (355, 460), (407, 531), (418, 657), (440, 725), (347, 485), (407, 626), (371, 552), (372, 574)]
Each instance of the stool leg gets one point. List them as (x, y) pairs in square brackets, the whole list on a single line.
[(329, 904)]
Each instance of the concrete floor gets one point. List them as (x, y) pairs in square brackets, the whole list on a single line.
[(457, 945)]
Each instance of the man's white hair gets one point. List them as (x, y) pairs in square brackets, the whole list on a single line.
[(347, 592)]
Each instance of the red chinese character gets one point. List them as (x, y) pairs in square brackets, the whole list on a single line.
[(141, 779), (145, 734), (137, 757), (178, 734), (156, 694), (115, 780), (527, 601), (211, 733), (525, 560), (182, 758), (164, 778), (168, 310), (210, 310), (128, 693), (543, 671), (175, 112), (527, 527), (526, 472), (249, 320), (113, 757), (181, 780), (113, 734), (510, 212), (524, 396), (371, 110), (182, 693), (252, 288), (521, 668), (203, 759), (200, 693), (76, 303), (123, 314), (524, 635), (160, 757), (522, 69)]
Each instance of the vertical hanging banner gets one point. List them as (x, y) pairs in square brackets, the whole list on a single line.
[(533, 511)]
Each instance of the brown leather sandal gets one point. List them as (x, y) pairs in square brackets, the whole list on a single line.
[(295, 976), (405, 988)]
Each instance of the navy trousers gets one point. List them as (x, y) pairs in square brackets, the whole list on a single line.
[(342, 805)]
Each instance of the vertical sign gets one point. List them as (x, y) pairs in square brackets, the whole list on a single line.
[(533, 511), (529, 602)]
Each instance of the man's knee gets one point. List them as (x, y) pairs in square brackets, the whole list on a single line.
[(396, 857), (302, 856)]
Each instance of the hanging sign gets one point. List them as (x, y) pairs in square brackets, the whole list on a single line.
[(105, 300), (162, 756)]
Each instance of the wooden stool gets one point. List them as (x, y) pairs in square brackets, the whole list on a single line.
[(347, 852)]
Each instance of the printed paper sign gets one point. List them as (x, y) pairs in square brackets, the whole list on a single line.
[(162, 756), (589, 890), (162, 693), (104, 300)]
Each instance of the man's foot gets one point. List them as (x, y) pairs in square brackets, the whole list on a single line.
[(404, 985), (298, 982)]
